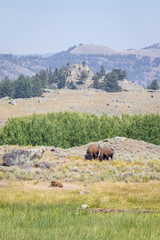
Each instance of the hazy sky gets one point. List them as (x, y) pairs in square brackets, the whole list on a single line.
[(48, 26)]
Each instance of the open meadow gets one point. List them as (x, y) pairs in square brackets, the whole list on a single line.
[(33, 210), (117, 199)]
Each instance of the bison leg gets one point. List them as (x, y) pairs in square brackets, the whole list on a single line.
[(96, 156), (105, 157)]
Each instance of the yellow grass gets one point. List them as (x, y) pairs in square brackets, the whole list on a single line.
[(73, 100), (103, 194)]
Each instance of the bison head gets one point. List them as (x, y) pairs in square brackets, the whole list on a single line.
[(88, 156)]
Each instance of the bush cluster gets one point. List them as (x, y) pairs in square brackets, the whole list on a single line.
[(65, 129)]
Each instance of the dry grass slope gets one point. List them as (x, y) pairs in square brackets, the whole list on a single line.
[(90, 101)]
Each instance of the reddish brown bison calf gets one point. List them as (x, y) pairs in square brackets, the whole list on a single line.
[(92, 152), (56, 184), (106, 153)]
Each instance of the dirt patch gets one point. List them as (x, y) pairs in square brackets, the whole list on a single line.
[(109, 210)]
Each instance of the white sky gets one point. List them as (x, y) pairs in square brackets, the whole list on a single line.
[(48, 26)]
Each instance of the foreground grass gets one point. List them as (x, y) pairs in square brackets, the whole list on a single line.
[(58, 222), (34, 211)]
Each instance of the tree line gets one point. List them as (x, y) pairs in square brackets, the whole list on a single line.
[(23, 87), (27, 87), (108, 81), (65, 129)]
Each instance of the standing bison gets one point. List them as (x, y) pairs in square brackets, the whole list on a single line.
[(106, 153), (92, 152)]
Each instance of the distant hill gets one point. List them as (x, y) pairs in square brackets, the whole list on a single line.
[(142, 66), (151, 51), (92, 49)]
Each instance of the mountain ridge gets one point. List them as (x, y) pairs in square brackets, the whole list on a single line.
[(141, 65)]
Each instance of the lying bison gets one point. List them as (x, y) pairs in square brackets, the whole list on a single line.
[(56, 184), (92, 152), (106, 153)]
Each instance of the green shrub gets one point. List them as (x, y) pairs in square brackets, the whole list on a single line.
[(65, 129)]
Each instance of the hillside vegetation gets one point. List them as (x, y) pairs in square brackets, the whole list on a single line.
[(76, 76)]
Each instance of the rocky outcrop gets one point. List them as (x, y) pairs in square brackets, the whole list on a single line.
[(22, 157)]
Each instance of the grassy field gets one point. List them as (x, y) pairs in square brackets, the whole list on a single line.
[(32, 210)]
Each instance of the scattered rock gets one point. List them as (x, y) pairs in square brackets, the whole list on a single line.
[(53, 149), (12, 102), (119, 139), (43, 164), (75, 169), (3, 184), (84, 192), (5, 98), (84, 206), (113, 210)]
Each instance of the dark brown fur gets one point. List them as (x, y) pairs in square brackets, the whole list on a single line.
[(56, 184), (106, 153), (92, 152)]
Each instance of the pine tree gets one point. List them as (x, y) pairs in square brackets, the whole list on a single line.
[(110, 83), (6, 88), (36, 87), (154, 85), (22, 87), (44, 76), (102, 71)]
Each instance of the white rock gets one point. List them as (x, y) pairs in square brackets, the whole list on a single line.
[(84, 206)]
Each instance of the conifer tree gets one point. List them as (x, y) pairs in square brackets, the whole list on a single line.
[(154, 85), (6, 88), (36, 87)]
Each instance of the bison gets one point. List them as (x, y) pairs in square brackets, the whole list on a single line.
[(106, 153), (92, 152), (56, 184)]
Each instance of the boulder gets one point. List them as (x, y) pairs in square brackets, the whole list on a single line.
[(22, 157)]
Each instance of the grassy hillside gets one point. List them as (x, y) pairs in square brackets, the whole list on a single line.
[(89, 101)]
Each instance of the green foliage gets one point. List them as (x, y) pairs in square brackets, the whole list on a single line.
[(44, 76), (154, 85), (84, 63), (83, 76), (25, 87), (61, 78), (120, 74), (103, 71), (37, 89), (109, 81), (65, 129), (96, 84), (22, 87), (25, 220), (6, 88), (71, 85)]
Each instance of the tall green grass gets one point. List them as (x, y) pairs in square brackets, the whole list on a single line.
[(37, 212), (58, 222)]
